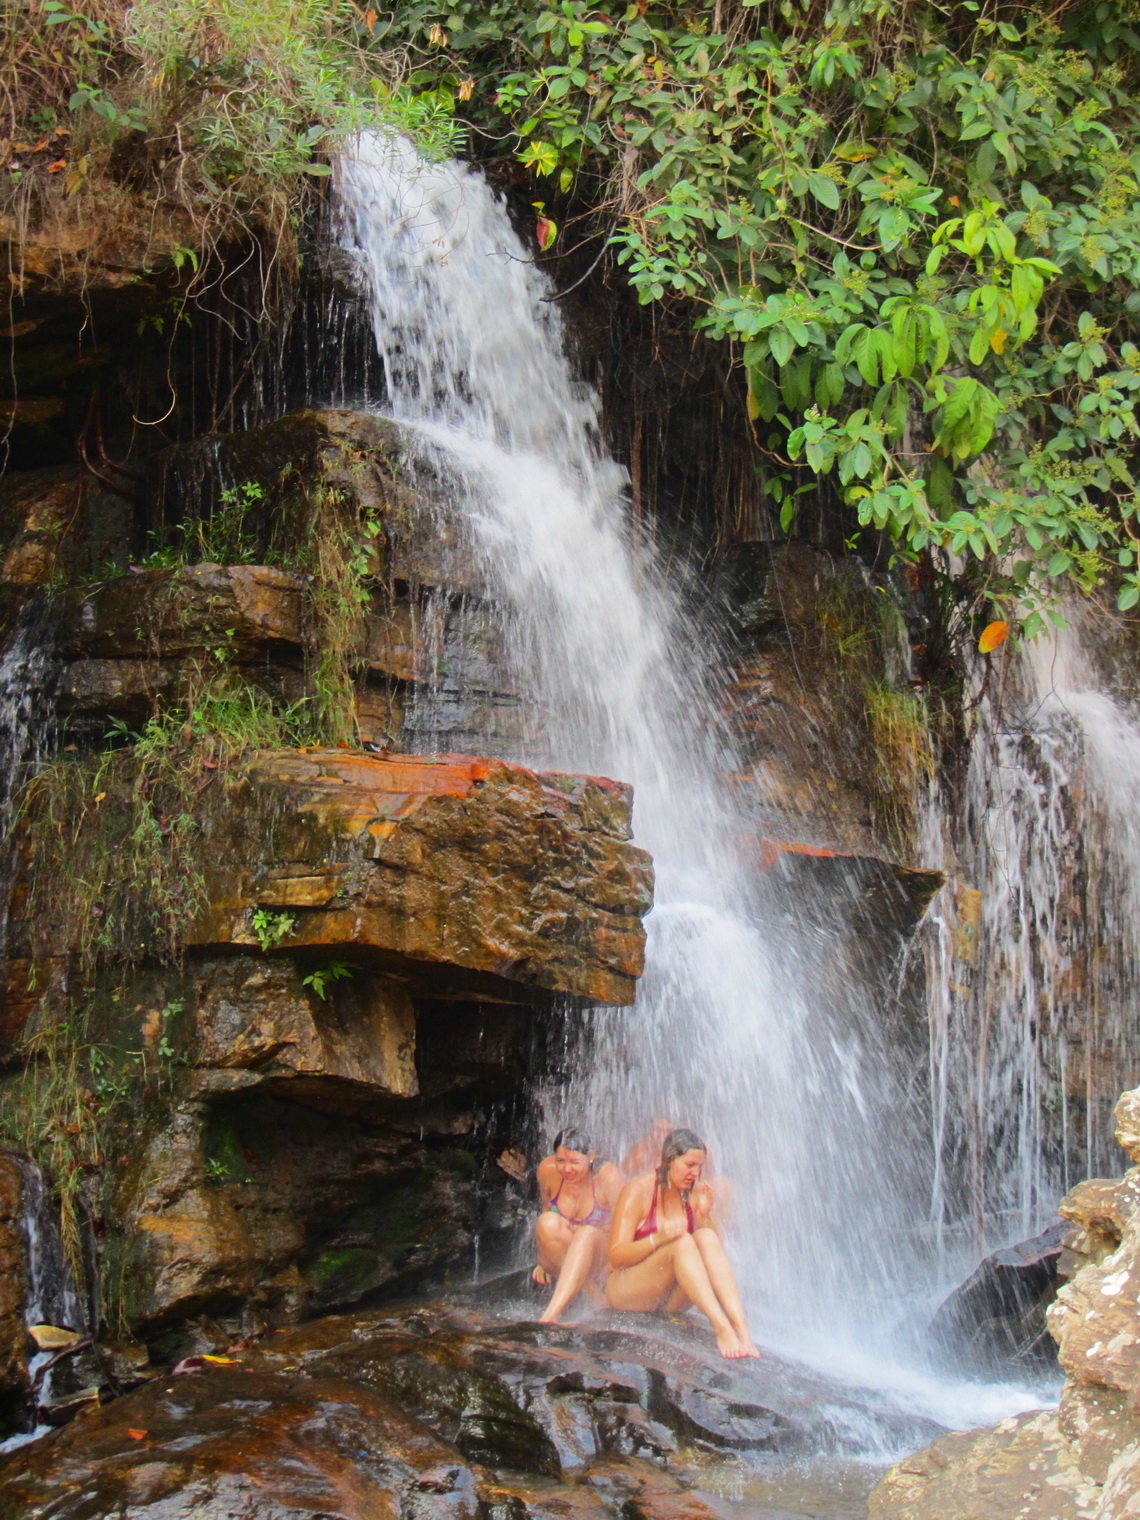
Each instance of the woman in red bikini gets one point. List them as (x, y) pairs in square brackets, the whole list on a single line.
[(574, 1227), (665, 1252)]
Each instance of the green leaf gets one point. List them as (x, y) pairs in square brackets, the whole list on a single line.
[(825, 190), (782, 344)]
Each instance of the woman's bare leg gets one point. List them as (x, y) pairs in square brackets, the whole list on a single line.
[(577, 1268), (552, 1236), (679, 1264), (677, 1302), (723, 1283)]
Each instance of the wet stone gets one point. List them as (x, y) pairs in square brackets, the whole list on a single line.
[(237, 1443)]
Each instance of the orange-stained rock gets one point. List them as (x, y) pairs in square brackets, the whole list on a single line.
[(473, 873), (460, 876)]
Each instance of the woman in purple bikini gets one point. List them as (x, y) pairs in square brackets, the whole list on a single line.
[(573, 1229), (665, 1251)]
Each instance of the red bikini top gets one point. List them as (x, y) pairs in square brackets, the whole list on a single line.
[(644, 1231)]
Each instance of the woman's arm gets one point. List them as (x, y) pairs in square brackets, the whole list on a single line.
[(703, 1203), (632, 1207), (546, 1172)]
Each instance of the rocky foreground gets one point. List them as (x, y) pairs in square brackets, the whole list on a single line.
[(1082, 1461), (441, 1411)]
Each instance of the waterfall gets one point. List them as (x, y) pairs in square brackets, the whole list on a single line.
[(1033, 950), (748, 1027), (27, 725)]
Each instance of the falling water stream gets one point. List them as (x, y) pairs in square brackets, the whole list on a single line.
[(740, 1030), (1033, 948)]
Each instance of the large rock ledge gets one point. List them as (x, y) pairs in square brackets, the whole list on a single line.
[(458, 876), (440, 1413), (1081, 1462)]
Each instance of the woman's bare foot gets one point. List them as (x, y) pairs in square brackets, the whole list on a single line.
[(546, 1318), (540, 1277), (729, 1344)]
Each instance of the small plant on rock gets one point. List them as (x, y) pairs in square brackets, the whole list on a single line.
[(337, 971), (271, 928)]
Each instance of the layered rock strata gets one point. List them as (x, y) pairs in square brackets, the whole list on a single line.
[(1081, 1462), (458, 875)]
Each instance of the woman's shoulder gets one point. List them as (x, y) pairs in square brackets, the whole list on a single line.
[(640, 1186), (609, 1180)]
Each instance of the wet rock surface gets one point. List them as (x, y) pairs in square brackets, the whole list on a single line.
[(995, 1321), (14, 1383), (1083, 1461), (434, 1411)]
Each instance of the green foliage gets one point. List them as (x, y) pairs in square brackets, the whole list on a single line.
[(241, 103), (335, 971), (76, 1100), (343, 549), (223, 538), (271, 928), (916, 225), (121, 826)]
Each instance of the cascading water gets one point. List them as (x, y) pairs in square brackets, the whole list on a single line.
[(1037, 952), (738, 1030)]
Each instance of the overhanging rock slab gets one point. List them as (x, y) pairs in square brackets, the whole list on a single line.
[(462, 875)]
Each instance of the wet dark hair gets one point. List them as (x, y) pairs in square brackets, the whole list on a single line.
[(676, 1143), (573, 1139)]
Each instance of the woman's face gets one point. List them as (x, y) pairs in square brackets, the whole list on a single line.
[(685, 1171), (573, 1166)]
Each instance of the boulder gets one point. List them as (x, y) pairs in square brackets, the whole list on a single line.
[(1024, 1467), (232, 1442), (996, 1319), (1098, 1212)]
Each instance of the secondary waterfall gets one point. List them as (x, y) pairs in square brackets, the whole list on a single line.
[(747, 1028), (1034, 949)]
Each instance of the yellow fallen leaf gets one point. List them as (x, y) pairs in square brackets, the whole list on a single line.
[(220, 1361), (53, 1337), (993, 636), (100, 797)]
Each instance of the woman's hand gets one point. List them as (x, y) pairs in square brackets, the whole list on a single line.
[(670, 1229)]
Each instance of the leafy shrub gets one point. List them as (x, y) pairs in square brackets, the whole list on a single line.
[(916, 226)]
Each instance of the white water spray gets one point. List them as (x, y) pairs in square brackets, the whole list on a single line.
[(1038, 949), (737, 1031)]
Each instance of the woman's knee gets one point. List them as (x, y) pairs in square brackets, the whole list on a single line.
[(706, 1237), (549, 1230), (685, 1246)]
